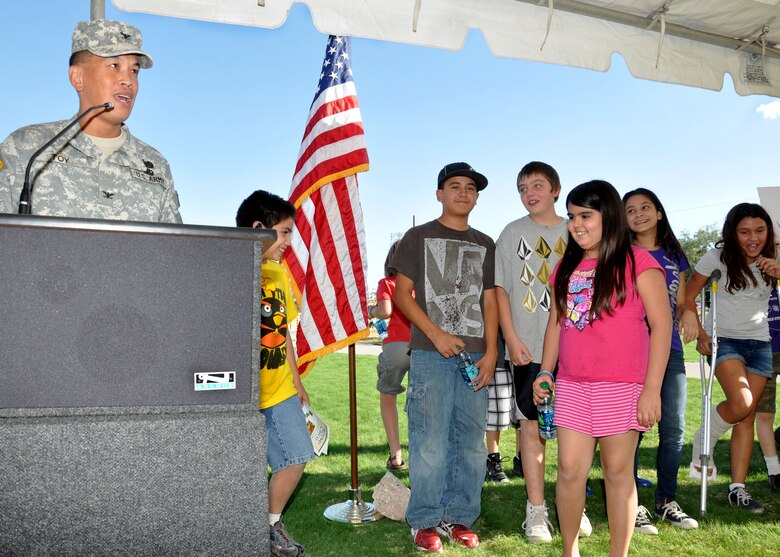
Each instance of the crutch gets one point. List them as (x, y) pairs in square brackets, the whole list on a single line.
[(706, 386)]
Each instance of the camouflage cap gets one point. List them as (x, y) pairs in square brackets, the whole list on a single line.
[(106, 38)]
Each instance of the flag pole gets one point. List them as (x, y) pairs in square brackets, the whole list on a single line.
[(353, 440), (354, 510)]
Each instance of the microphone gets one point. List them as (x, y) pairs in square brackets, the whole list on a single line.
[(25, 207)]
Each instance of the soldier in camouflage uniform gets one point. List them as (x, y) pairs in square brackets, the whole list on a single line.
[(97, 170)]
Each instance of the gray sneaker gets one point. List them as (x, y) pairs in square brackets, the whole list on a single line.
[(282, 544)]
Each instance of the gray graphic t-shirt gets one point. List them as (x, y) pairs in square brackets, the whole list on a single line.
[(450, 269), (526, 254)]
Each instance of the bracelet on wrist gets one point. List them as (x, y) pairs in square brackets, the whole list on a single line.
[(545, 372)]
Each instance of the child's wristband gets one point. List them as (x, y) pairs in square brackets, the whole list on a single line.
[(545, 372)]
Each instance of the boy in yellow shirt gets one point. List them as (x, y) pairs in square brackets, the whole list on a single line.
[(281, 390)]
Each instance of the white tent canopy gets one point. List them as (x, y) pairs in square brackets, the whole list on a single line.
[(690, 42)]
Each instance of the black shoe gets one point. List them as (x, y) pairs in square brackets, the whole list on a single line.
[(774, 482), (672, 513), (494, 471), (517, 466), (740, 498)]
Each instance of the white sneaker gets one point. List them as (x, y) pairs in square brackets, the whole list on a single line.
[(585, 527), (643, 525), (695, 467), (537, 525)]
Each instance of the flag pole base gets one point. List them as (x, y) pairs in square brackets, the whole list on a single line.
[(353, 511)]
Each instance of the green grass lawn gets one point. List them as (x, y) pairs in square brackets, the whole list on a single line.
[(723, 531)]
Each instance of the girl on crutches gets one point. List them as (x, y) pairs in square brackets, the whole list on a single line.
[(746, 258)]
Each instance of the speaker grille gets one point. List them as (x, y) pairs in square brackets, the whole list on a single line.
[(115, 320)]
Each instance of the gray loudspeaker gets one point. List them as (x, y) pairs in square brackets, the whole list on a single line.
[(129, 389), (126, 316)]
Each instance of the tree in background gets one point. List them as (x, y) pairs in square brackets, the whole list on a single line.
[(700, 242)]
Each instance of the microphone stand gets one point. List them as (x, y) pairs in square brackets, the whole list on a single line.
[(25, 206)]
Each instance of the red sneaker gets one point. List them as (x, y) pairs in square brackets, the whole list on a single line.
[(458, 534), (427, 539)]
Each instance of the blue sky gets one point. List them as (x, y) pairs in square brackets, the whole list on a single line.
[(227, 106)]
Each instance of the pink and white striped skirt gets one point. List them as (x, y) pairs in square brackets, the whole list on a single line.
[(597, 408)]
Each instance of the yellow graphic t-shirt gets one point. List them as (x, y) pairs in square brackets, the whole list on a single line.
[(277, 309)]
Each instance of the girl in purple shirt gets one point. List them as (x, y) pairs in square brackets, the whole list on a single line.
[(650, 229)]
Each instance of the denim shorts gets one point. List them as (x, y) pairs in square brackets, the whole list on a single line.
[(755, 354), (287, 435)]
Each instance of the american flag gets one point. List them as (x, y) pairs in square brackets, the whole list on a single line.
[(327, 258)]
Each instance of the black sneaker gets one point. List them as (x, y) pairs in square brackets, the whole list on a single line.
[(672, 513), (643, 524), (774, 482), (517, 466), (740, 498), (494, 471)]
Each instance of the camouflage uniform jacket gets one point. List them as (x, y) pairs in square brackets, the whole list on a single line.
[(70, 178)]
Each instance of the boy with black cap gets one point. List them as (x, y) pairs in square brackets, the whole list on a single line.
[(97, 169), (450, 268)]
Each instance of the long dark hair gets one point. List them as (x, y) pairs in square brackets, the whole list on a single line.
[(664, 235), (731, 256), (614, 250)]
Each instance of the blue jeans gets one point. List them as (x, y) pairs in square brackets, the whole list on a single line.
[(446, 449), (671, 427)]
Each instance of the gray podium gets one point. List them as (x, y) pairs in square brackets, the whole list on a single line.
[(128, 389)]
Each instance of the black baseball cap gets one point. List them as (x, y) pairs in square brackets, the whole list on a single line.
[(462, 169)]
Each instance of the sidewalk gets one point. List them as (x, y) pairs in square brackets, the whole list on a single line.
[(370, 349), (692, 370), (364, 349)]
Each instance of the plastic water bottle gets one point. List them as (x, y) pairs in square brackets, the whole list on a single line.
[(545, 410), (381, 328), (467, 368)]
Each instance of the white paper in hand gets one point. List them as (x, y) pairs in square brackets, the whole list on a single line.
[(320, 433)]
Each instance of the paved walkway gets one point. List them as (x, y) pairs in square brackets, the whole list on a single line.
[(365, 348), (368, 348)]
